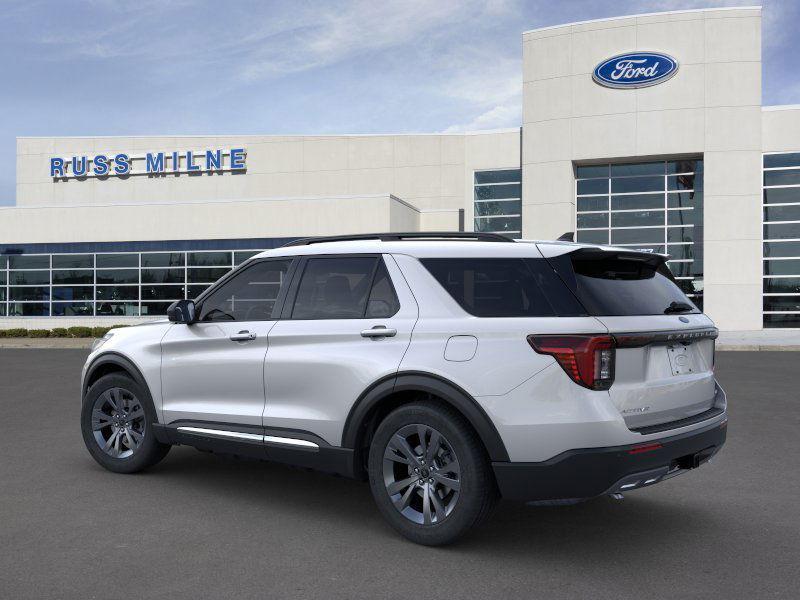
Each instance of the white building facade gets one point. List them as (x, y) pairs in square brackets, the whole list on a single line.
[(667, 147)]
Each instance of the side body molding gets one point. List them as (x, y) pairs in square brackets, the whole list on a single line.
[(412, 381)]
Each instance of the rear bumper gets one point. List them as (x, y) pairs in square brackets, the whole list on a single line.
[(591, 472)]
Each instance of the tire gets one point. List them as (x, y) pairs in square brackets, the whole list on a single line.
[(460, 460), (102, 425)]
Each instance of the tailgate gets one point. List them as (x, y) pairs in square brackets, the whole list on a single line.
[(664, 359), (664, 367)]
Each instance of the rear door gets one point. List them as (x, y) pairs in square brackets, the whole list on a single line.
[(665, 345), (347, 323)]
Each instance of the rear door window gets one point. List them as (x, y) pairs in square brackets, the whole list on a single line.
[(504, 287), (622, 284), (345, 287)]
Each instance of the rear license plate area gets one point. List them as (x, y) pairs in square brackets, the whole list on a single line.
[(680, 359)]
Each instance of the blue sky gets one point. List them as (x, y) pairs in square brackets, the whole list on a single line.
[(152, 67)]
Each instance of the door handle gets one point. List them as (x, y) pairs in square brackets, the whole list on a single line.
[(243, 336), (379, 331)]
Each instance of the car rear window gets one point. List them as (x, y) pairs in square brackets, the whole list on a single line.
[(504, 287), (622, 284)]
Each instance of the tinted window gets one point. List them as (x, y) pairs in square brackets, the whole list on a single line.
[(503, 287), (383, 300), (117, 260), (248, 295), (73, 261), (619, 285), (334, 288)]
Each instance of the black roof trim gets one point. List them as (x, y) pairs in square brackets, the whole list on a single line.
[(397, 237)]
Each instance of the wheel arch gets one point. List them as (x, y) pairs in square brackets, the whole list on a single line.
[(112, 362), (389, 393)]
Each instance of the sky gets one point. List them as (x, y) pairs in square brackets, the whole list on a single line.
[(160, 67)]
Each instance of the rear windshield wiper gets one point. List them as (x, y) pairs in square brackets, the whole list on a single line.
[(676, 307)]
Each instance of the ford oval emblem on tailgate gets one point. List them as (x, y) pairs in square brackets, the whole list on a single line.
[(684, 319)]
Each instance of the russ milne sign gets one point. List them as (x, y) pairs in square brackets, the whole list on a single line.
[(151, 163), (635, 70)]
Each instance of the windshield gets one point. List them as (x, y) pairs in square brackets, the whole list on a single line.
[(609, 284)]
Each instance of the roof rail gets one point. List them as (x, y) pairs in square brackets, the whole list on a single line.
[(397, 237)]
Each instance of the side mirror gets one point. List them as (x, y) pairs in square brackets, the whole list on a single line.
[(182, 311)]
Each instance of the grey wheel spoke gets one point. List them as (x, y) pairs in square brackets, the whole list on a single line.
[(398, 486), (433, 446), (129, 441), (426, 505), (110, 440), (438, 509), (138, 413), (403, 503), (100, 420), (106, 399), (451, 467), (136, 436), (391, 454), (116, 398), (422, 432), (117, 442), (399, 443), (453, 484)]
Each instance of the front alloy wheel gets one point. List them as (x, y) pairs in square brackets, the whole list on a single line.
[(117, 417), (118, 422)]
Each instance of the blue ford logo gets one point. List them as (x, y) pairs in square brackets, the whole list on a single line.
[(635, 70)]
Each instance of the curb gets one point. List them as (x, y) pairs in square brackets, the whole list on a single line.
[(49, 343), (757, 348)]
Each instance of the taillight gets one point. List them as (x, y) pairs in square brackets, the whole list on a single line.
[(587, 359)]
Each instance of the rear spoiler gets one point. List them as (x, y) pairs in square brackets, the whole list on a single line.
[(590, 251)]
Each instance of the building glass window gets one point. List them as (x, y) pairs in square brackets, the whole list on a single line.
[(781, 279), (112, 284), (654, 206), (498, 202)]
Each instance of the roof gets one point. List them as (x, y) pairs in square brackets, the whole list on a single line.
[(433, 248)]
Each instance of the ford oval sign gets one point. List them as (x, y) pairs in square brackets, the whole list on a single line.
[(635, 70)]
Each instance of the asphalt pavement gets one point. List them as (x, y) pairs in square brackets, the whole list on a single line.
[(200, 526)]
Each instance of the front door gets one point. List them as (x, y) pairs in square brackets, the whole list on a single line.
[(347, 323), (213, 370)]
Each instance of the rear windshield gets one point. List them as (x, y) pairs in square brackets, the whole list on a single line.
[(504, 287), (622, 285)]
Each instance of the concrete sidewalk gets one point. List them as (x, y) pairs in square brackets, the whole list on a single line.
[(767, 339)]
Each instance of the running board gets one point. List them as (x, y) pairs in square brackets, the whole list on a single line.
[(298, 448)]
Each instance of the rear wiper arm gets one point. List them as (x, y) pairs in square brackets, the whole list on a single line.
[(676, 307)]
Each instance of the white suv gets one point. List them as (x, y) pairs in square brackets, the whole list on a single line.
[(447, 369)]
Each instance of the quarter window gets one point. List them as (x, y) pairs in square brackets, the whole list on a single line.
[(383, 302)]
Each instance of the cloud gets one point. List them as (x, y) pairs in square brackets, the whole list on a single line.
[(498, 117)]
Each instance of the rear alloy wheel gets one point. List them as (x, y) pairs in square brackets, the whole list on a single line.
[(116, 422), (429, 473), (421, 474)]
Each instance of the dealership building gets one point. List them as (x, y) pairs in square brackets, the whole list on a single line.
[(643, 131)]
